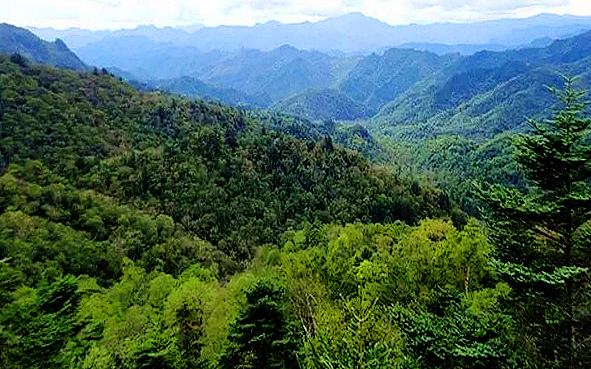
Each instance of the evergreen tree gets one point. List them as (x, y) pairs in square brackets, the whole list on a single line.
[(261, 336), (536, 233)]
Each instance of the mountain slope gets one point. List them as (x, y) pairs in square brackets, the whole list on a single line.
[(19, 40), (193, 87), (462, 49), (490, 92), (379, 79), (324, 105), (280, 73)]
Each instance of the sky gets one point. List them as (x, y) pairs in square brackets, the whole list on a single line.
[(113, 14)]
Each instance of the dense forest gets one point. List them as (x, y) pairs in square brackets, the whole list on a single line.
[(143, 230)]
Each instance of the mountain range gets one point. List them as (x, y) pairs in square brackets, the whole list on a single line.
[(339, 68), (349, 33), (483, 93), (457, 89), (490, 92)]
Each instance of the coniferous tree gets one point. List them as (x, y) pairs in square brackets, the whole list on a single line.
[(536, 233), (261, 336)]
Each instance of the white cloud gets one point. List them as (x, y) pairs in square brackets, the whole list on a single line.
[(126, 13)]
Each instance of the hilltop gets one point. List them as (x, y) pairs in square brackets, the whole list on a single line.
[(19, 40)]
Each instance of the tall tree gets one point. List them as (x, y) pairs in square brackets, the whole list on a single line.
[(536, 233)]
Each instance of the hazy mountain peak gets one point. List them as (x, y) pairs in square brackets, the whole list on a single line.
[(286, 47), (352, 15), (271, 23), (190, 28), (355, 18), (149, 27)]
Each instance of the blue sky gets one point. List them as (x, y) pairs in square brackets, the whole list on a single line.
[(99, 14)]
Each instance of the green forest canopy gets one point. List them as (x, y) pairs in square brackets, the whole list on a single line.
[(139, 230)]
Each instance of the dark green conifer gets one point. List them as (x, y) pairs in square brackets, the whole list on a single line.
[(535, 233), (261, 336)]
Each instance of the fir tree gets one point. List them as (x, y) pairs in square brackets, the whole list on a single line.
[(535, 233)]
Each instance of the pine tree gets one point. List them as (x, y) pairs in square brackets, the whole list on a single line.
[(536, 233)]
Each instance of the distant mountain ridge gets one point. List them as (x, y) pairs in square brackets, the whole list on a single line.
[(484, 92), (22, 41), (406, 86), (490, 92), (77, 37), (349, 33)]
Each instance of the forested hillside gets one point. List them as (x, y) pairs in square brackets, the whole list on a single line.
[(100, 181), (326, 104), (456, 125), (222, 175), (144, 230)]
